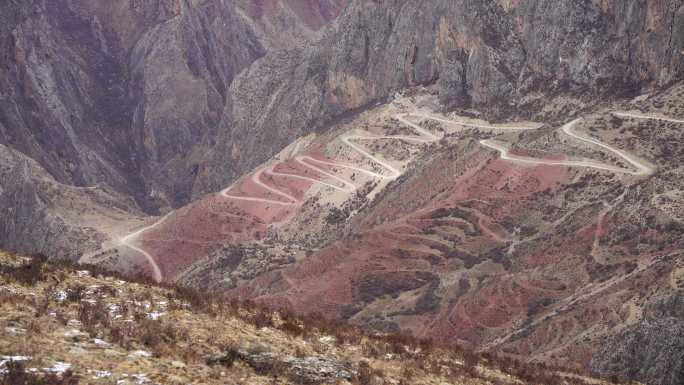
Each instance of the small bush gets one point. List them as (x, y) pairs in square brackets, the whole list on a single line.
[(153, 333), (262, 319), (75, 293), (227, 359), (27, 274), (364, 375), (17, 375), (94, 317), (195, 298)]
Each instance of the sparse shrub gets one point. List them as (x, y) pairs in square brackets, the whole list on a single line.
[(119, 335), (262, 319), (17, 375), (154, 333), (61, 318), (27, 274), (336, 216), (42, 305), (94, 317), (407, 374), (292, 328), (7, 297), (364, 375), (33, 328), (227, 359), (75, 293), (195, 298)]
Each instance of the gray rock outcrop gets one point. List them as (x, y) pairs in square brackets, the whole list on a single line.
[(40, 215), (652, 351)]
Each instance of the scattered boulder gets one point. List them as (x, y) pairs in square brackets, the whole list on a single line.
[(307, 370)]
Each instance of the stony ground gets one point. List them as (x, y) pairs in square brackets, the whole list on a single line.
[(63, 325)]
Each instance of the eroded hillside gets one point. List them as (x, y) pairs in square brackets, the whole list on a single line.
[(542, 241), (59, 325), (505, 175)]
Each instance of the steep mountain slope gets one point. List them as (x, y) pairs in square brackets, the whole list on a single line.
[(93, 91), (66, 326), (508, 59), (57, 218), (344, 158), (512, 237), (168, 100), (659, 337), (126, 95)]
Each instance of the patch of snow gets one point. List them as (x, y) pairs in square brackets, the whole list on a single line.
[(100, 373), (15, 331), (83, 273), (58, 368), (140, 353), (101, 343), (73, 322), (141, 378), (327, 339), (61, 296), (155, 315), (15, 358), (178, 364), (73, 333)]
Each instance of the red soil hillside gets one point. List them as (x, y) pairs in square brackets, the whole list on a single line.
[(542, 246)]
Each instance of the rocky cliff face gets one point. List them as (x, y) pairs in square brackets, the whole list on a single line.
[(127, 94), (505, 58), (500, 55), (650, 351), (166, 100), (54, 217), (116, 92)]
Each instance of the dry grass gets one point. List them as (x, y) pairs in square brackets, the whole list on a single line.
[(101, 325)]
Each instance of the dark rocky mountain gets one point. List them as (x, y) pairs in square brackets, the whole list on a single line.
[(140, 95), (131, 95), (115, 112), (508, 58)]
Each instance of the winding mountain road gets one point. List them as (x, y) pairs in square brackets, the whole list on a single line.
[(128, 242), (425, 136), (256, 178), (646, 116), (308, 162), (642, 168)]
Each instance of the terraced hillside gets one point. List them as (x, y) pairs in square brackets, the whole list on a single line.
[(503, 175), (529, 254)]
